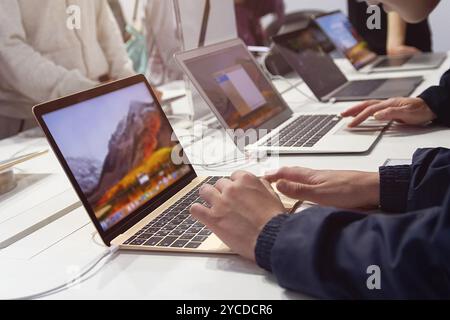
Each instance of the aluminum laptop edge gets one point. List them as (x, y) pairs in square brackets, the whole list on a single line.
[(302, 49), (242, 97)]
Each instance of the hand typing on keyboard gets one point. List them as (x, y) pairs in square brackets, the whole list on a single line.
[(240, 207)]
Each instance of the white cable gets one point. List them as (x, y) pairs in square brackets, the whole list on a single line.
[(78, 279), (295, 87), (279, 77)]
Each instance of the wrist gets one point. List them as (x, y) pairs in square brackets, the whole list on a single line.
[(373, 182), (266, 240), (429, 115)]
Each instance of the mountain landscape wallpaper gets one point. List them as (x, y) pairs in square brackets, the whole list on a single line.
[(137, 166), (118, 147)]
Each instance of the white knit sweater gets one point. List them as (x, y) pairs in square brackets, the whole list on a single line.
[(42, 59)]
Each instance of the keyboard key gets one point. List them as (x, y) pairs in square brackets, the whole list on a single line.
[(176, 233), (151, 230), (163, 233), (179, 243), (129, 240), (153, 241), (193, 245), (199, 238), (187, 236), (205, 232), (138, 242), (195, 230), (167, 241)]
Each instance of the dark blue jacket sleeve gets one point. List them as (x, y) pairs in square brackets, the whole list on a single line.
[(438, 99), (326, 252)]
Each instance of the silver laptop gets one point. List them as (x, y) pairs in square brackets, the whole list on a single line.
[(303, 50), (242, 97), (123, 160), (349, 42)]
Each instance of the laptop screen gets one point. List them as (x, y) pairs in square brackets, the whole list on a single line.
[(347, 40), (236, 87), (303, 50), (119, 148)]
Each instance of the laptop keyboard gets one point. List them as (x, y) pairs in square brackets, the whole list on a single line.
[(175, 227), (360, 88), (306, 131)]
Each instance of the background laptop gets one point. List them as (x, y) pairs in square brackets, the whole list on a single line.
[(242, 97), (350, 43), (303, 51), (118, 150)]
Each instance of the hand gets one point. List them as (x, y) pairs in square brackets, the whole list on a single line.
[(341, 189), (239, 210), (402, 50), (413, 111)]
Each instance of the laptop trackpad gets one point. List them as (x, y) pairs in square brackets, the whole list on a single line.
[(369, 128)]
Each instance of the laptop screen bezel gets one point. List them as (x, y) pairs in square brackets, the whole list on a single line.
[(277, 40), (370, 61), (121, 227), (182, 57)]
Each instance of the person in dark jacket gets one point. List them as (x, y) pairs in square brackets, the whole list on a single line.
[(333, 250), (327, 251)]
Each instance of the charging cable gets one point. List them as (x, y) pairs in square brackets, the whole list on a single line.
[(106, 255)]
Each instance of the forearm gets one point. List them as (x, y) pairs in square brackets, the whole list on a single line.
[(396, 32), (325, 253), (412, 11)]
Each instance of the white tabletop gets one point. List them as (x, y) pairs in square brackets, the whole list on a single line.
[(57, 252)]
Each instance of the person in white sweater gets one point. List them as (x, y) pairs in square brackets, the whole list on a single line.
[(42, 58)]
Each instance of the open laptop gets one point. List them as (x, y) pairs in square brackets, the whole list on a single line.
[(350, 43), (303, 51), (244, 99), (123, 159)]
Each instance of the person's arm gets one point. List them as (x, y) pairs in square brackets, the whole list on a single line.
[(326, 253), (112, 44), (25, 70), (412, 11), (396, 36), (438, 99)]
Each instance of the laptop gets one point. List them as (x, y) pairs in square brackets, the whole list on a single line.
[(124, 161), (244, 100), (349, 42), (302, 49)]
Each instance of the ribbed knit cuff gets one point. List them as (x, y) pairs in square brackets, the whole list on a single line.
[(394, 186), (437, 98), (266, 241)]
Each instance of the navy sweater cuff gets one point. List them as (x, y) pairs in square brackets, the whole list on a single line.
[(266, 241), (438, 99), (394, 188)]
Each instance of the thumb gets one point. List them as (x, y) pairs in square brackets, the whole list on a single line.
[(294, 190)]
